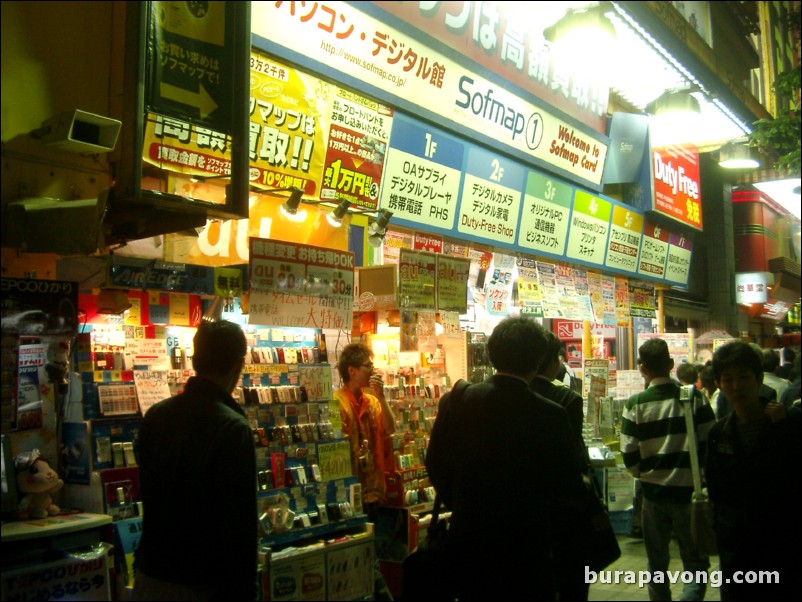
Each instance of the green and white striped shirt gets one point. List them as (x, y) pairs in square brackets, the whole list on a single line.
[(654, 441)]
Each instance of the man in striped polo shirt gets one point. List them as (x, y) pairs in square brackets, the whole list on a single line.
[(654, 445)]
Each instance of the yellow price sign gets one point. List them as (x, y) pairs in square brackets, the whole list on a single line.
[(334, 460)]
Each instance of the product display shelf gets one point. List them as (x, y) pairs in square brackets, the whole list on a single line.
[(399, 530), (296, 537), (315, 538), (338, 568)]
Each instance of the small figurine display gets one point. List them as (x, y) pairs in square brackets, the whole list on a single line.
[(36, 481)]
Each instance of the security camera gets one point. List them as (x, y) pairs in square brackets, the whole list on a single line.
[(80, 132)]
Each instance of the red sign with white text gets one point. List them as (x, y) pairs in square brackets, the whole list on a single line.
[(677, 186)]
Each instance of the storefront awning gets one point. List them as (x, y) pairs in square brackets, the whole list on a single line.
[(711, 335), (686, 310)]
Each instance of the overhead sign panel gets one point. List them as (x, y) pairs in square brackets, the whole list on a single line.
[(413, 74), (189, 62)]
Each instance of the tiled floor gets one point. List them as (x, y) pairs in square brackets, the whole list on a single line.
[(633, 558)]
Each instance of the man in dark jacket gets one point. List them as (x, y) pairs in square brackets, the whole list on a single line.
[(753, 480), (543, 384), (569, 555), (197, 471), (501, 442)]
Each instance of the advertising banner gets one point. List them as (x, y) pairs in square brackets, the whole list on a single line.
[(357, 144), (545, 216), (677, 185), (417, 272), (654, 250), (590, 228), (299, 285), (530, 298), (370, 51), (422, 174), (452, 283)]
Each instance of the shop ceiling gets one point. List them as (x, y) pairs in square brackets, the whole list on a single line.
[(645, 64)]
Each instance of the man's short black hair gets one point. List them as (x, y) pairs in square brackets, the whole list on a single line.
[(737, 354), (687, 374), (218, 347), (551, 351), (771, 361), (517, 345), (653, 355)]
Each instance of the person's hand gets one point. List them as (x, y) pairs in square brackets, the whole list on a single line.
[(377, 384), (776, 411)]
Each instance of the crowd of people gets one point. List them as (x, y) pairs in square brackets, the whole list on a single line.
[(745, 436), (746, 421), (517, 436)]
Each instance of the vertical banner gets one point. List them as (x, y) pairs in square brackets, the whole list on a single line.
[(529, 296), (358, 137), (547, 276), (609, 313), (625, 239), (596, 370), (499, 287), (643, 304), (409, 330), (678, 267), (569, 298), (583, 295), (653, 250), (188, 62), (677, 184), (622, 301), (490, 200), (590, 228), (427, 335), (452, 283), (422, 174), (544, 220), (416, 279)]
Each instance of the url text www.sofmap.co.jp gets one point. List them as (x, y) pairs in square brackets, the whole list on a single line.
[(364, 64), (714, 578)]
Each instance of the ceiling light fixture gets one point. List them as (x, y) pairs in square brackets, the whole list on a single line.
[(335, 218), (736, 154), (675, 116), (378, 229), (672, 102), (577, 30), (112, 301)]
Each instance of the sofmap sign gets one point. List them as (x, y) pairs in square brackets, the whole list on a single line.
[(408, 72)]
